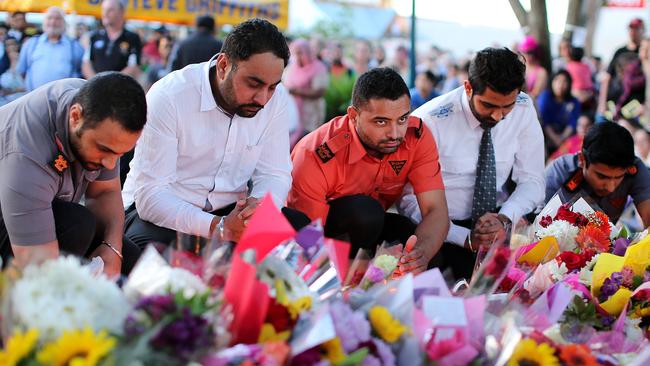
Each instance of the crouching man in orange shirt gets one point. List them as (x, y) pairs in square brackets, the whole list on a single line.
[(352, 169)]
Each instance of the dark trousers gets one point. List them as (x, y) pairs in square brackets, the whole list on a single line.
[(458, 259), (78, 232), (142, 232), (362, 221)]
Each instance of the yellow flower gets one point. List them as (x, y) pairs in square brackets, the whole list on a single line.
[(641, 312), (298, 306), (388, 328), (268, 334), (77, 348), (529, 353), (19, 346), (334, 351)]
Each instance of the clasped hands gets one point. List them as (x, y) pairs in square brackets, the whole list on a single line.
[(236, 221), (489, 228)]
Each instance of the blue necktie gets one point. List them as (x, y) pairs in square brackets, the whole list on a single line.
[(485, 188)]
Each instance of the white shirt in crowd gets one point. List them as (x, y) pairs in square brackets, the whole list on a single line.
[(518, 148), (194, 158)]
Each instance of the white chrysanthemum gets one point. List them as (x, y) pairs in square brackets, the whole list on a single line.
[(62, 294), (563, 231), (587, 271), (557, 271), (182, 280)]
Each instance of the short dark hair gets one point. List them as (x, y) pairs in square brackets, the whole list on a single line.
[(206, 22), (566, 96), (576, 53), (253, 37), (499, 69), (379, 83), (113, 95), (610, 144)]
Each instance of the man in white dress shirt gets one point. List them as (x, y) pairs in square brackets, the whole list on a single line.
[(211, 128), (488, 136)]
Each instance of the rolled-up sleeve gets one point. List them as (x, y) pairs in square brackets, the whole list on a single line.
[(157, 153), (26, 194)]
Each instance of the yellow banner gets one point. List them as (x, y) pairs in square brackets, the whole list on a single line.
[(172, 11)]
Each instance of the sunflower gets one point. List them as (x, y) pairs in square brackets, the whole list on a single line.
[(577, 355), (529, 353), (78, 348), (19, 346)]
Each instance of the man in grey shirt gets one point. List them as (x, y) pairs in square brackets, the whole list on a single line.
[(58, 144), (606, 173)]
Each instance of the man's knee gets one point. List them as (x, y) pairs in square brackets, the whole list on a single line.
[(143, 232), (75, 227), (358, 211)]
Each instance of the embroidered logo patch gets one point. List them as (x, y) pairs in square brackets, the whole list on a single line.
[(397, 165), (521, 99), (324, 153), (443, 111), (60, 164)]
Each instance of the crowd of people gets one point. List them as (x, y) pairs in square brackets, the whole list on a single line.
[(105, 169)]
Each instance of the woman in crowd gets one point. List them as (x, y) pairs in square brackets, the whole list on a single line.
[(559, 110), (536, 75), (306, 79)]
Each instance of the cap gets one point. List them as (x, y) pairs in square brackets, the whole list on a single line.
[(636, 23), (529, 44)]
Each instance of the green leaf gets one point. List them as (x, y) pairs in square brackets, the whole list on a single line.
[(355, 358)]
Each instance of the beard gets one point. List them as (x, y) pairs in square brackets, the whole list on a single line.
[(228, 94), (486, 121), (76, 150)]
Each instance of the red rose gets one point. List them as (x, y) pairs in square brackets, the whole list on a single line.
[(278, 316), (497, 264), (572, 260), (546, 221), (574, 218)]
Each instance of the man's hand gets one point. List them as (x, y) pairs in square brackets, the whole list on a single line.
[(112, 263), (488, 229), (249, 209), (416, 258), (233, 225)]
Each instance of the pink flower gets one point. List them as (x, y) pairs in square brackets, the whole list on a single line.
[(437, 350)]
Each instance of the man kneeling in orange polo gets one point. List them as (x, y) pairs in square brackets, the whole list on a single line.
[(352, 169)]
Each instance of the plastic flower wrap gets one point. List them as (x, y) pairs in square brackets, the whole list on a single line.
[(380, 269), (61, 294), (266, 354), (492, 270)]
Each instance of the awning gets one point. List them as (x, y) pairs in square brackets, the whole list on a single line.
[(170, 11)]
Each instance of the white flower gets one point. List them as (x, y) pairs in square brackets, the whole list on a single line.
[(633, 332), (557, 271), (586, 272), (62, 294), (545, 276), (563, 231)]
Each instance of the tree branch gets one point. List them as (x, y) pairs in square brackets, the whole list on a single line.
[(520, 13)]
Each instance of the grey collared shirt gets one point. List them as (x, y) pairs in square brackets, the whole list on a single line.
[(29, 182), (636, 186)]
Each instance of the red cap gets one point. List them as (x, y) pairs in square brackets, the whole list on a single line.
[(636, 23)]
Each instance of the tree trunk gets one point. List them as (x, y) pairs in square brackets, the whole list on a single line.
[(539, 29), (573, 18), (521, 14), (593, 9)]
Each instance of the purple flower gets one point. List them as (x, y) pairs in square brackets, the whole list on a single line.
[(620, 246), (184, 336), (133, 327), (610, 286), (375, 274), (351, 326), (157, 306), (310, 357), (370, 360), (385, 354)]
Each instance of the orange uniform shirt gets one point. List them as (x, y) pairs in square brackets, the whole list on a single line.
[(331, 162)]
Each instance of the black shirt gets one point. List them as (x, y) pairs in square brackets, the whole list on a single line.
[(107, 55), (198, 48)]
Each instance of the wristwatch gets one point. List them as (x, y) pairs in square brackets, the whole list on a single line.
[(505, 221)]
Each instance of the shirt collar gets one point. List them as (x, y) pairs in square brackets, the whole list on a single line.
[(62, 132), (357, 150), (469, 116), (44, 39), (207, 98)]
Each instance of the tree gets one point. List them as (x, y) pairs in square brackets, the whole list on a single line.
[(535, 23), (583, 14)]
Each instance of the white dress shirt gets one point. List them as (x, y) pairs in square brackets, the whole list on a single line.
[(518, 147), (194, 158)]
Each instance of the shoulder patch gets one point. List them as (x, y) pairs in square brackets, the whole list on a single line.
[(443, 111), (417, 125), (324, 153), (632, 170), (60, 164), (521, 99), (574, 181)]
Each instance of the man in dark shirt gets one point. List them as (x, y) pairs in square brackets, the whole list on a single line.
[(200, 47), (606, 173), (113, 48), (60, 143)]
